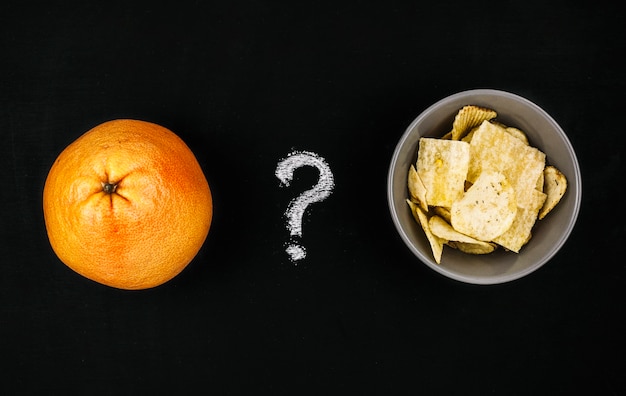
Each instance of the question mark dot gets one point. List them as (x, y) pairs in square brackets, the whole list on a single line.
[(296, 252)]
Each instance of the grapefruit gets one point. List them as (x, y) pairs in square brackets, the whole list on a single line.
[(127, 205)]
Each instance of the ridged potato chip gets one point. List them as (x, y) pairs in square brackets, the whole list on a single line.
[(468, 137), (469, 117)]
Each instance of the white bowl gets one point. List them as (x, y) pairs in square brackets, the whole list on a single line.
[(548, 235)]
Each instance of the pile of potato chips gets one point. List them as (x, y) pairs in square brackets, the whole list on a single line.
[(481, 186)]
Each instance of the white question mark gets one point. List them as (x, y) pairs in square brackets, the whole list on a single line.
[(297, 207)]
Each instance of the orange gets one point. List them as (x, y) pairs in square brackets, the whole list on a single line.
[(127, 205)]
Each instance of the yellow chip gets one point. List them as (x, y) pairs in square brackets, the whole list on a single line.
[(468, 137), (442, 212), (473, 248), (469, 117), (442, 166), (518, 133), (555, 185), (487, 209), (540, 182), (494, 149), (436, 243), (519, 233), (417, 191), (443, 230)]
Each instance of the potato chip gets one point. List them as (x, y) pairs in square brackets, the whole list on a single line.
[(436, 243), (518, 133), (443, 230), (487, 209), (442, 212), (469, 117), (468, 137), (473, 248), (540, 182), (555, 185), (442, 166), (494, 149), (519, 233), (417, 191)]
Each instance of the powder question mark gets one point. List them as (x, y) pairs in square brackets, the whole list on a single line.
[(297, 207)]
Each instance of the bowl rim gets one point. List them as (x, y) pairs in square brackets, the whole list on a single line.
[(428, 260)]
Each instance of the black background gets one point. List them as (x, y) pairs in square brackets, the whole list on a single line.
[(246, 82)]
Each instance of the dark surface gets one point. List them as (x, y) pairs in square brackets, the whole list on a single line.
[(246, 82)]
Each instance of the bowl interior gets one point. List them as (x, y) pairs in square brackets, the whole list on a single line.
[(548, 235)]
